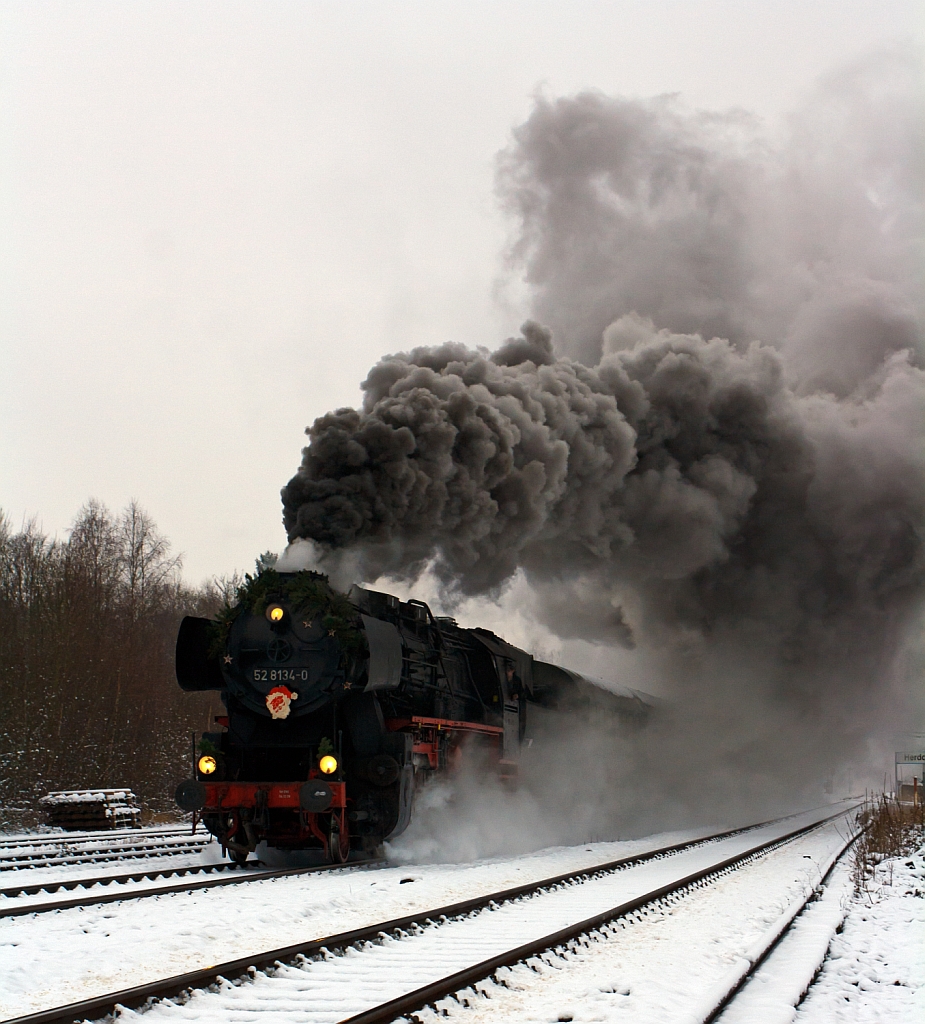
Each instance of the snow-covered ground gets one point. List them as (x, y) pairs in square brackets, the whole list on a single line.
[(124, 944), (849, 959), (874, 971)]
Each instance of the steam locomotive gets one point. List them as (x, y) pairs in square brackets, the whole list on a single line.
[(341, 706)]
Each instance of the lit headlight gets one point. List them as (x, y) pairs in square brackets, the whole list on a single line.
[(328, 764), (276, 613), (207, 764)]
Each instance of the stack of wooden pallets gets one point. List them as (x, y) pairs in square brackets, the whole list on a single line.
[(91, 809)]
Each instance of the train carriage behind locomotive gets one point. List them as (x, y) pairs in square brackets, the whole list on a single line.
[(339, 707)]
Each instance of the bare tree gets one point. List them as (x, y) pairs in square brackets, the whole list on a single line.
[(87, 629), (147, 567)]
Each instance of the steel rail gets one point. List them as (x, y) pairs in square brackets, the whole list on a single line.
[(104, 842), (90, 836), (99, 1006), (37, 908), (23, 862), (90, 845), (163, 890), (34, 888), (20, 857)]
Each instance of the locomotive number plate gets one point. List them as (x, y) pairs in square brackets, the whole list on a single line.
[(280, 675)]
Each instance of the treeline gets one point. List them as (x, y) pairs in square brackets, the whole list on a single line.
[(88, 695)]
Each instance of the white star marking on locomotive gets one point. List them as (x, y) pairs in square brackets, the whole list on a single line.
[(227, 659)]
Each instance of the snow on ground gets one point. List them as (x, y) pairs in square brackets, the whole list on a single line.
[(118, 945), (695, 942), (669, 964), (874, 971)]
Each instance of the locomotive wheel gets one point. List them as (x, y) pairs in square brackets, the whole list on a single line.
[(338, 839), (238, 856)]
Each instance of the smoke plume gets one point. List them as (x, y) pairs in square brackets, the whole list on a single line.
[(809, 240), (714, 446)]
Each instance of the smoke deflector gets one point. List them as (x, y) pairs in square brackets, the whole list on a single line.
[(384, 654)]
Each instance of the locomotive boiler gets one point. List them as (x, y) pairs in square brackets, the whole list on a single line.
[(339, 707)]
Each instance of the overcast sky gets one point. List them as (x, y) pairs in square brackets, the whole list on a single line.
[(217, 216)]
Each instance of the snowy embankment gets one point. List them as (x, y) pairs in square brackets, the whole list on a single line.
[(874, 969)]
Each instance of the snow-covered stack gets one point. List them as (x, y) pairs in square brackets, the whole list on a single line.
[(91, 809)]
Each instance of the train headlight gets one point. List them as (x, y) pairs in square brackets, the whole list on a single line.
[(328, 764), (276, 613), (207, 764)]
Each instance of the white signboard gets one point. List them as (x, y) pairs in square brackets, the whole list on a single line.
[(910, 758)]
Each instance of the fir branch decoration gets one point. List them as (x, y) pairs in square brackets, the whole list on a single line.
[(308, 593)]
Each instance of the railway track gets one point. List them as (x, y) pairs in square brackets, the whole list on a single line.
[(737, 1002), (19, 908), (25, 839), (94, 848), (401, 953), (33, 888), (601, 928), (739, 995)]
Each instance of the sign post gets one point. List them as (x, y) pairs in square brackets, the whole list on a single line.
[(906, 757)]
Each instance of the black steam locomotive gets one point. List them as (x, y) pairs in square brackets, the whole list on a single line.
[(339, 707)]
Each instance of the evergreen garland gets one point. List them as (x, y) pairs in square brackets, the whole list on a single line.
[(308, 593)]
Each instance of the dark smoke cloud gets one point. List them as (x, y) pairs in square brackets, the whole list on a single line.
[(681, 472), (723, 458)]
